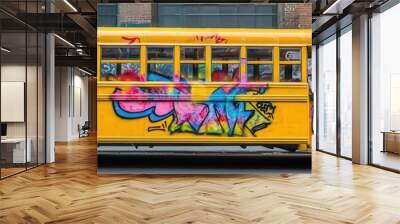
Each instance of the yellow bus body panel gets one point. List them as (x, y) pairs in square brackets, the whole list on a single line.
[(205, 36), (204, 112)]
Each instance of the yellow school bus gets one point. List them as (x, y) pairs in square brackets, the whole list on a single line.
[(203, 86)]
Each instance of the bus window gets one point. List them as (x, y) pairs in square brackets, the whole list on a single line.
[(259, 64), (290, 73), (193, 72), (259, 53), (120, 63), (193, 64), (120, 53), (225, 65), (259, 72), (290, 64), (225, 72), (192, 53), (160, 64), (164, 70), (290, 54), (120, 72), (160, 53), (225, 53)]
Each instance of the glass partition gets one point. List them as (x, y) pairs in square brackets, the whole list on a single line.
[(15, 149), (385, 89), (22, 67), (32, 98), (327, 95), (346, 92)]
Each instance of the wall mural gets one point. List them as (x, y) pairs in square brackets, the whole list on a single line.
[(221, 114)]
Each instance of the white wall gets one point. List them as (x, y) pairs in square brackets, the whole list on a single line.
[(71, 102), (14, 73), (33, 126), (62, 77)]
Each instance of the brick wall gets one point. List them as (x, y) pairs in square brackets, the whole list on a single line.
[(295, 15), (138, 14), (290, 15)]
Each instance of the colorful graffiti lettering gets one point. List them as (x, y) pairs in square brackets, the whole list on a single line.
[(221, 114), (161, 127), (214, 37), (267, 108)]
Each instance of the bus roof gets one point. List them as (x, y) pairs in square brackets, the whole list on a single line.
[(202, 36)]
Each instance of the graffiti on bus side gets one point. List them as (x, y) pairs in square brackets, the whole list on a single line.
[(221, 114), (216, 38), (131, 40)]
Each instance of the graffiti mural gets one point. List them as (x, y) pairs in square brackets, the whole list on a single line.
[(221, 114)]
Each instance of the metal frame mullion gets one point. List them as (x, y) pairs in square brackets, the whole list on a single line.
[(369, 100), (316, 99), (26, 87), (338, 94)]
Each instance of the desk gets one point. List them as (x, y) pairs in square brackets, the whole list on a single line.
[(391, 141), (18, 149)]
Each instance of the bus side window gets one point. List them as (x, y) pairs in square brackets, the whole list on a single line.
[(259, 64), (160, 65), (120, 63), (290, 64), (225, 65), (192, 64)]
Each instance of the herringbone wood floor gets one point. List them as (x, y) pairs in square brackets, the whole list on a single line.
[(70, 191)]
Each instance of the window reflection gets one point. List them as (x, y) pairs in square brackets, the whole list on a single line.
[(192, 53), (116, 53), (226, 53), (259, 54), (193, 72), (165, 70), (160, 53), (120, 72), (290, 54), (225, 72), (261, 73), (290, 73)]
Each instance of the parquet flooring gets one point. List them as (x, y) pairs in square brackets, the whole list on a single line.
[(70, 191)]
